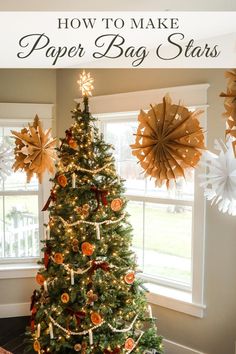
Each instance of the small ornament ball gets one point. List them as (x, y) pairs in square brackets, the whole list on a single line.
[(77, 347), (96, 319), (36, 346), (62, 180), (73, 144), (116, 204), (129, 278), (65, 298), (87, 248), (40, 279), (129, 344), (58, 258)]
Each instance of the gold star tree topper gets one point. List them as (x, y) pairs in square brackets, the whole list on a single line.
[(86, 84)]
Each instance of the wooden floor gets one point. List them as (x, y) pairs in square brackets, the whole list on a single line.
[(12, 334)]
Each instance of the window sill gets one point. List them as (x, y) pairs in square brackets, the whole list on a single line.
[(19, 270), (177, 300)]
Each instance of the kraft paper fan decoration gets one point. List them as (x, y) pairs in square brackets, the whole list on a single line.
[(230, 103), (169, 140), (230, 106), (34, 150), (5, 162), (220, 180)]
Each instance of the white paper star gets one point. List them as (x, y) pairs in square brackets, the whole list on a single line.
[(220, 180)]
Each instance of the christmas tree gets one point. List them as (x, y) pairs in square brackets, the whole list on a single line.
[(90, 300)]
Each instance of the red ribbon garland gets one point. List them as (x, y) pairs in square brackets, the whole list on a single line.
[(47, 254), (68, 134), (52, 198), (99, 195), (99, 265), (115, 351), (33, 300), (33, 310), (79, 315)]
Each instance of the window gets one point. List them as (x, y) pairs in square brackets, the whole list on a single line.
[(21, 220), (161, 218), (168, 225)]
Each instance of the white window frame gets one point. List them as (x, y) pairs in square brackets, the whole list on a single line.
[(12, 114), (117, 107)]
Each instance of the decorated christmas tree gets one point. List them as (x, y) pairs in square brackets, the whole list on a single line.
[(90, 299)]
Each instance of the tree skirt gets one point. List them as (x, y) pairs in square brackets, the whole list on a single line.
[(3, 351)]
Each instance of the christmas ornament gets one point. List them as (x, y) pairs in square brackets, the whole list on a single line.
[(73, 180), (75, 248), (40, 279), (58, 258), (36, 346), (129, 344), (116, 204), (91, 297), (75, 242), (169, 140), (87, 248), (84, 210), (73, 144), (230, 103), (34, 151), (62, 180), (65, 298), (96, 319), (129, 278), (77, 347), (86, 84), (51, 331), (5, 162), (75, 245), (84, 347), (220, 181)]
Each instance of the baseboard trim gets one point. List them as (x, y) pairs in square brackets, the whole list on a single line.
[(14, 310), (176, 348)]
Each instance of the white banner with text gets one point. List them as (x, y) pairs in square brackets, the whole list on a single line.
[(118, 39)]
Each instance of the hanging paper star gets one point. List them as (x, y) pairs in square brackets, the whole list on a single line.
[(169, 140), (230, 103), (34, 151), (86, 84), (220, 181), (5, 161)]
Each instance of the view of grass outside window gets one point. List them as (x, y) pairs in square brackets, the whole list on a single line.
[(161, 218), (19, 221)]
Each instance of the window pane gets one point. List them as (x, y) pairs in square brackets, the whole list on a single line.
[(135, 209), (121, 135), (181, 189), (21, 226), (168, 230)]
